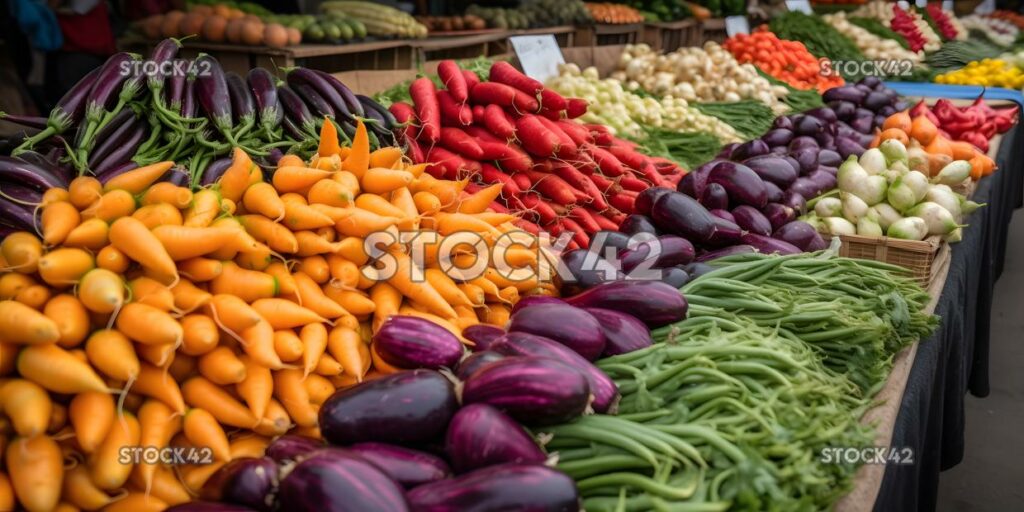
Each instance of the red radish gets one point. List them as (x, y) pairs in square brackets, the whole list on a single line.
[(403, 112), (490, 174), (553, 187), (649, 172), (505, 73), (414, 151), (576, 132), (552, 101), (602, 221), (542, 208), (424, 98), (527, 226), (584, 219), (498, 207), (522, 180), (515, 159), (460, 142), (584, 163), (615, 216), (498, 122), (627, 156), (537, 138), (478, 113), (575, 107), (471, 79), (502, 95), (631, 182), (606, 161), (623, 200), (482, 134), (453, 80), (566, 147), (452, 112), (580, 181), (580, 235), (623, 142), (602, 137), (493, 150), (602, 183), (448, 165)]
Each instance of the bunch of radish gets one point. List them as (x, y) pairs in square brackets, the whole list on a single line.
[(560, 174)]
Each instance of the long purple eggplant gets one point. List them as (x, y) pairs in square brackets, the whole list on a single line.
[(245, 481), (264, 91), (533, 390), (317, 103), (290, 447), (645, 200), (335, 480), (243, 104), (535, 300), (123, 153), (682, 215), (480, 435), (652, 302), (67, 113), (369, 104), (296, 110), (16, 170), (33, 122), (750, 219), (468, 366), (311, 85), (174, 90), (51, 161), (20, 193), (212, 93), (624, 331), (352, 103), (568, 325), (605, 392), (413, 342), (531, 487), (215, 170), (16, 215), (114, 135), (116, 171), (482, 335), (743, 184), (405, 407), (119, 81), (408, 467)]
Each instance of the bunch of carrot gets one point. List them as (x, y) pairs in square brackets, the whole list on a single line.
[(929, 148), (560, 174), (144, 314), (789, 61)]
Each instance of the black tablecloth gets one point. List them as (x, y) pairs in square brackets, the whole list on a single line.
[(954, 360)]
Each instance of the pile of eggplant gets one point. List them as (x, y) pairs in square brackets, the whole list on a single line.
[(133, 111), (451, 434)]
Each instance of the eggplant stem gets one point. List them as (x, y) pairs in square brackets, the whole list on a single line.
[(29, 143)]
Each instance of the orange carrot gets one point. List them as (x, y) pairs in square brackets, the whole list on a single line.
[(161, 214), (352, 249), (311, 244), (57, 221), (285, 282), (235, 180), (151, 293), (278, 237), (421, 292), (34, 296), (22, 252), (201, 334), (106, 468), (348, 349), (258, 342), (24, 325), (112, 354), (202, 429), (248, 285), (138, 180), (285, 314), (261, 198), (289, 390), (200, 269), (164, 487), (149, 325), (136, 241), (79, 490), (155, 383), (83, 191), (182, 242), (297, 178), (382, 181), (92, 415), (64, 267), (91, 234), (232, 313), (36, 472), (354, 301), (331, 193), (188, 297), (11, 284), (287, 345), (101, 291), (169, 193), (205, 207), (358, 161), (71, 318), (203, 394), (157, 355), (276, 421), (386, 157), (222, 366), (388, 299), (481, 200), (111, 206), (312, 297), (157, 424), (314, 343), (27, 405)]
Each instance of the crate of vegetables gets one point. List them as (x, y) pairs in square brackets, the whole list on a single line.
[(924, 258)]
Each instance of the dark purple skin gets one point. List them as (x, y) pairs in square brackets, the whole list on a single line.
[(714, 197), (723, 214), (829, 158), (826, 140), (405, 407), (535, 391), (726, 233), (33, 122), (207, 506), (21, 193), (408, 467), (475, 361), (369, 104), (611, 239), (598, 270), (321, 83), (674, 277), (727, 251), (779, 151), (317, 103), (374, 115), (335, 480), (264, 91), (795, 201), (243, 104), (568, 325), (783, 122), (291, 130), (843, 109), (645, 200), (532, 300), (291, 446), (352, 103), (118, 134), (801, 235), (750, 219), (413, 342), (726, 150), (778, 137), (772, 168), (211, 90), (876, 100), (71, 107), (523, 487), (773, 194), (823, 179), (694, 181), (16, 170), (6, 230), (743, 184), (697, 269), (654, 303), (174, 92), (296, 110), (246, 481), (848, 93), (749, 149), (480, 436), (804, 187), (16, 215), (482, 334), (636, 223), (117, 170), (624, 332), (164, 51), (681, 215), (801, 142), (768, 245), (825, 114), (675, 250), (108, 84), (215, 170), (808, 160), (778, 215), (121, 155), (861, 125), (176, 176), (605, 392)]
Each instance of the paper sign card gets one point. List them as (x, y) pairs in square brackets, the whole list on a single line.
[(538, 55), (736, 25), (803, 6)]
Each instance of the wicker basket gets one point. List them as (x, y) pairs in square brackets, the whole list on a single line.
[(923, 258)]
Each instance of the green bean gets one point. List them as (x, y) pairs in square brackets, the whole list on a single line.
[(604, 464), (628, 444), (641, 482)]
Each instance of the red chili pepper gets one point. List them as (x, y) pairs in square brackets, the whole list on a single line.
[(978, 140), (988, 129)]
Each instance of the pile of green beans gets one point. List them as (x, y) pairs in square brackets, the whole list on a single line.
[(732, 408)]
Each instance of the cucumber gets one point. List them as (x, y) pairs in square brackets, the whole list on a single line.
[(314, 33), (346, 31), (358, 29), (331, 30)]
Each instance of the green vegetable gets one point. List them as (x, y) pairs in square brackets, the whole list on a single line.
[(686, 149), (820, 38), (797, 100), (956, 54), (750, 118)]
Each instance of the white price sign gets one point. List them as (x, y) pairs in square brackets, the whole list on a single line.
[(736, 25), (803, 6), (538, 55), (947, 5)]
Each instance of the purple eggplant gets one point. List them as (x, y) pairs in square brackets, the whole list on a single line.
[(189, 103), (296, 110), (483, 334), (743, 185), (603, 239), (533, 300), (526, 487), (726, 150), (801, 235), (802, 142), (605, 392), (475, 361), (778, 137), (369, 104), (533, 390), (674, 250), (645, 199), (174, 93), (768, 245), (413, 342), (848, 93), (568, 325), (122, 154), (405, 407), (715, 197), (654, 303), (20, 193), (804, 187), (772, 192), (323, 85), (829, 158), (587, 268), (16, 215), (246, 481), (749, 149), (264, 92), (750, 219), (727, 251), (697, 269), (215, 170), (807, 158), (846, 147), (33, 122), (114, 135), (778, 215), (843, 109), (119, 81), (480, 435), (723, 214), (243, 103), (625, 332), (681, 215), (824, 178), (694, 181), (408, 467), (67, 113), (211, 90), (17, 170), (674, 277), (290, 447), (876, 100), (772, 168), (207, 506), (336, 480), (317, 103), (795, 201), (783, 123), (636, 223)]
